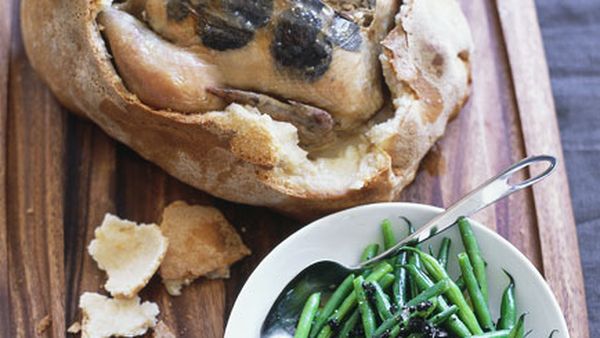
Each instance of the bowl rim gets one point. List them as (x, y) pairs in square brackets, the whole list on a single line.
[(274, 253)]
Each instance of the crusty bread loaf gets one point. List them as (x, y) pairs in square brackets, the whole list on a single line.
[(243, 155)]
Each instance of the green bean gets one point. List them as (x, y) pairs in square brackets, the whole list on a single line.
[(388, 324), (379, 272), (423, 281), (409, 225), (431, 307), (391, 323), (382, 303), (366, 313), (307, 316), (413, 259), (398, 320), (400, 287), (338, 296), (395, 332), (460, 282), (443, 316), (416, 259), (472, 248), (444, 251), (349, 325), (437, 272), (389, 239), (479, 304), (370, 252), (327, 331), (454, 324), (350, 301), (518, 331), (411, 230), (386, 281), (495, 334), (433, 292), (508, 308)]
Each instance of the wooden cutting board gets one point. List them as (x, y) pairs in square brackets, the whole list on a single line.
[(59, 174)]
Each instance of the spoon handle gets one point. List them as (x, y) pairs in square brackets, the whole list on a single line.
[(488, 193)]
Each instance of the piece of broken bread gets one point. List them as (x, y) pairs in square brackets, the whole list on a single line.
[(202, 243), (74, 328), (129, 253), (105, 317), (161, 330)]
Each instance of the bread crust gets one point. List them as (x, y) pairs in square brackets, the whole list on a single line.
[(234, 154)]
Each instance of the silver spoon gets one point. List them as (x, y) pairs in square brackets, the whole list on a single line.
[(321, 276)]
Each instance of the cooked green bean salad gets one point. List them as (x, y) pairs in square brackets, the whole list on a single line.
[(412, 295)]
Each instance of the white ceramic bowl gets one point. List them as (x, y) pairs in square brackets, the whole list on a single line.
[(342, 236)]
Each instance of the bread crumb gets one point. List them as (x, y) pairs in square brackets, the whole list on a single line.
[(104, 317), (174, 286), (202, 243), (221, 273), (162, 331), (74, 328), (129, 253), (43, 325)]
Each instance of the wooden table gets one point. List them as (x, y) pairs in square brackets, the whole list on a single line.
[(60, 174)]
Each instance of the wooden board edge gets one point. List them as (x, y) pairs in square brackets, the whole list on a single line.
[(5, 44), (556, 223)]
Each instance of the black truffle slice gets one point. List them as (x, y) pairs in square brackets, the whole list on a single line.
[(227, 24), (300, 44), (177, 9), (219, 34), (345, 33)]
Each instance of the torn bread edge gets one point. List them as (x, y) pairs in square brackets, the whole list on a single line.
[(128, 252), (99, 314), (215, 247)]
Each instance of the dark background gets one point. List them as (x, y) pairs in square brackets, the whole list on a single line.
[(571, 32)]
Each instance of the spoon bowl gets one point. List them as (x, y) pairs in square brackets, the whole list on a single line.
[(318, 277)]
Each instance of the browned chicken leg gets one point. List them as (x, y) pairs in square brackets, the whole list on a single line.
[(162, 75)]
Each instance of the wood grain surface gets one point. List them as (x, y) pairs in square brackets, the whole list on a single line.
[(536, 109), (60, 174), (5, 42)]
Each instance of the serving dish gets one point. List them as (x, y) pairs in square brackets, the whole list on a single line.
[(342, 235)]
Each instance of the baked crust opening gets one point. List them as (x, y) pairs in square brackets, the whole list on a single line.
[(235, 150)]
